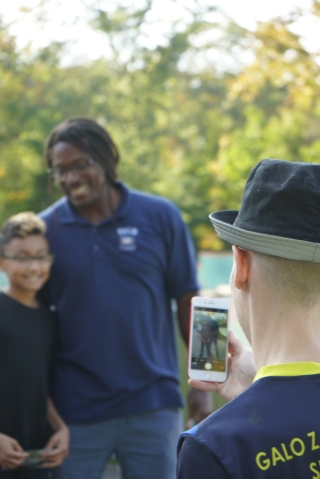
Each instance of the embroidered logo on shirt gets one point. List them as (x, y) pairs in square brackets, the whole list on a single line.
[(127, 238)]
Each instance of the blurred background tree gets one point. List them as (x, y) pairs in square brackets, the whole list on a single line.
[(191, 114)]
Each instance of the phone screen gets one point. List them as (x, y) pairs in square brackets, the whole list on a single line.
[(209, 339), (34, 460)]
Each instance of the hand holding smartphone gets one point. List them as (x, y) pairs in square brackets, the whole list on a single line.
[(34, 460), (208, 339)]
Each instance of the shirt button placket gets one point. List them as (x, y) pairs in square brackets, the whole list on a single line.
[(96, 247)]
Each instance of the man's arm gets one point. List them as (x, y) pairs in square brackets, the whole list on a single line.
[(241, 371), (183, 313), (199, 403)]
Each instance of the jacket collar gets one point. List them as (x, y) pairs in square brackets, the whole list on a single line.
[(288, 369)]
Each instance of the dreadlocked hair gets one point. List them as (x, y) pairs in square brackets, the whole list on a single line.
[(87, 135)]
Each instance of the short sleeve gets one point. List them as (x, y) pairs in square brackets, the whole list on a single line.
[(197, 461)]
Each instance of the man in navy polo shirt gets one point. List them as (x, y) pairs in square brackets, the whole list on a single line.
[(272, 429), (121, 256)]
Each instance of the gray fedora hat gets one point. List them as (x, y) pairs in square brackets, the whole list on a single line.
[(279, 214)]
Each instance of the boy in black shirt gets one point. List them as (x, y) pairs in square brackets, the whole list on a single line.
[(27, 346)]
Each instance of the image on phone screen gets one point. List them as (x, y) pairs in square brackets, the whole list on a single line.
[(34, 460), (209, 339)]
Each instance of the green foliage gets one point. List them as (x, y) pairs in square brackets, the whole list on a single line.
[(188, 127)]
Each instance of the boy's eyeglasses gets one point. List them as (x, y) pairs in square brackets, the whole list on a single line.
[(43, 259), (60, 174)]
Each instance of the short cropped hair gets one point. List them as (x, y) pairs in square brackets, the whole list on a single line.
[(290, 281), (20, 226), (87, 135)]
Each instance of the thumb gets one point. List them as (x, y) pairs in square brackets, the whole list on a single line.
[(52, 443)]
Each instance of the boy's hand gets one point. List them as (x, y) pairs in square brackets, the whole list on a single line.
[(11, 453), (57, 447), (241, 371)]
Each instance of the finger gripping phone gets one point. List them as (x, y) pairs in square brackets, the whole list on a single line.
[(208, 339), (34, 460)]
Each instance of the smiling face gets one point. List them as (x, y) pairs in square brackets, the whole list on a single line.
[(26, 277), (85, 187)]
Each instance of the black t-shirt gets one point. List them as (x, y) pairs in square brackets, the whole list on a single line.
[(27, 347)]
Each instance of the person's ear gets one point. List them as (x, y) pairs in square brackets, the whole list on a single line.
[(241, 266)]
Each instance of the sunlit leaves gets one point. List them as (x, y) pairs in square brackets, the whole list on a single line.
[(189, 123)]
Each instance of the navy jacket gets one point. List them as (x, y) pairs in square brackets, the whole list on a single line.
[(271, 431)]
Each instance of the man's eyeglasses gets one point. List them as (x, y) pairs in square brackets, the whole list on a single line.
[(60, 173), (25, 259)]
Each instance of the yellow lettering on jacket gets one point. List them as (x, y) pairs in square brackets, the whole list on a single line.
[(314, 446), (276, 456), (296, 448), (263, 464), (313, 466), (285, 452), (293, 446)]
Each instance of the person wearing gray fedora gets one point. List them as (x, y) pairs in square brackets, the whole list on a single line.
[(271, 429)]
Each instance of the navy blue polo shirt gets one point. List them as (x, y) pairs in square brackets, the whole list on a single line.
[(112, 285), (270, 431)]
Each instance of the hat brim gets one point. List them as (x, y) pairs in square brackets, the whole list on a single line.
[(288, 248)]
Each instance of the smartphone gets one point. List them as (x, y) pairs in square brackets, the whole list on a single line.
[(208, 339), (34, 460)]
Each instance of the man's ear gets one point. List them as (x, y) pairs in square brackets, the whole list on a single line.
[(241, 266)]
